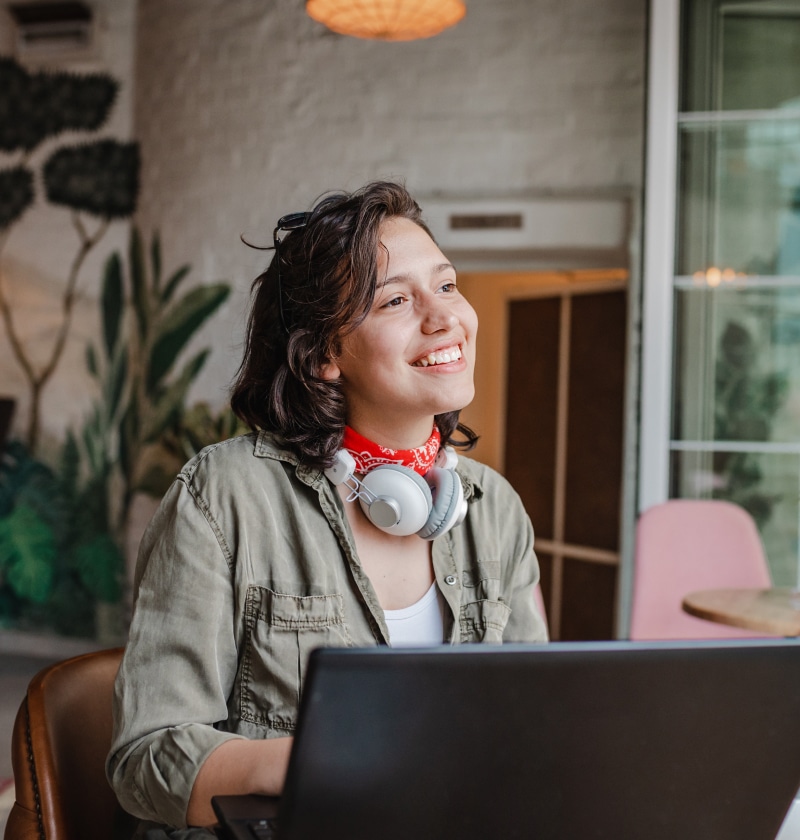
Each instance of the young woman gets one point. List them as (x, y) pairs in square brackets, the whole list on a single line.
[(342, 519)]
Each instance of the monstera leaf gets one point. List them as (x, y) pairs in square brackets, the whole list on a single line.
[(24, 480), (100, 178), (27, 554), (99, 564)]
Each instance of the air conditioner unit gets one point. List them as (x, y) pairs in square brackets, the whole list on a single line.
[(540, 224), (51, 28)]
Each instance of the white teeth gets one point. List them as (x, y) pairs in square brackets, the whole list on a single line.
[(440, 357)]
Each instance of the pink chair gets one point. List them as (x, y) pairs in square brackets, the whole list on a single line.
[(684, 545)]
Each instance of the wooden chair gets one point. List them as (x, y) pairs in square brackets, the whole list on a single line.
[(690, 544), (59, 745)]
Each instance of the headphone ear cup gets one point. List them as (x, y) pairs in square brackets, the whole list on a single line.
[(403, 500), (449, 507)]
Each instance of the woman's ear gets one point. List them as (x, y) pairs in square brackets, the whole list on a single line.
[(330, 371)]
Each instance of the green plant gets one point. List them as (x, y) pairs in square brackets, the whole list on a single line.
[(746, 402), (62, 529), (146, 326), (27, 552), (98, 178), (55, 563), (190, 431)]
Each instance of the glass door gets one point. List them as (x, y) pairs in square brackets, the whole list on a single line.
[(735, 428)]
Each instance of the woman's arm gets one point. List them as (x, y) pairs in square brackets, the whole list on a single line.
[(237, 767), (525, 624), (506, 534), (180, 662)]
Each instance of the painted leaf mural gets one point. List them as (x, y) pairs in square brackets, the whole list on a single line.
[(27, 552), (97, 181), (16, 185), (64, 522), (62, 529), (100, 178)]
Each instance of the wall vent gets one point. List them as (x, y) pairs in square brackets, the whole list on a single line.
[(485, 221), (535, 224), (45, 29)]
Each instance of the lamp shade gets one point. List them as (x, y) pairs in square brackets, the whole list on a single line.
[(387, 20)]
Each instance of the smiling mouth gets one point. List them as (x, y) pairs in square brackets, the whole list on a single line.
[(440, 357)]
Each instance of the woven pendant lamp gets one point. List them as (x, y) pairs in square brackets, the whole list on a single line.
[(387, 20)]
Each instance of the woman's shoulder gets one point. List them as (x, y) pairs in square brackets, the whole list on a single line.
[(480, 479), (497, 515), (253, 453)]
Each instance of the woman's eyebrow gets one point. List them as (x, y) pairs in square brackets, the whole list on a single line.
[(399, 278), (443, 267)]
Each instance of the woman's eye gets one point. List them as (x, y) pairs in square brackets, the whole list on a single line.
[(396, 301), (449, 287)]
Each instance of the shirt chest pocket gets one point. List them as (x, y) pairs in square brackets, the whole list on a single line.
[(484, 614), (281, 632), (483, 621)]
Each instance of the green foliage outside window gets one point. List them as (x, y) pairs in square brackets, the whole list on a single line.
[(745, 405)]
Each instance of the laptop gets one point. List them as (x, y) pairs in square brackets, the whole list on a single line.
[(564, 741)]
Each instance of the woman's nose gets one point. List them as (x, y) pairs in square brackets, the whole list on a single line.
[(438, 315)]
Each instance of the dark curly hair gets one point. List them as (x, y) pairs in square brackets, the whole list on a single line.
[(328, 275)]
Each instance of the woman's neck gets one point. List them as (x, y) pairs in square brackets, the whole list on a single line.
[(369, 454), (394, 437)]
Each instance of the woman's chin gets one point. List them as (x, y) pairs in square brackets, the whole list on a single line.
[(456, 404)]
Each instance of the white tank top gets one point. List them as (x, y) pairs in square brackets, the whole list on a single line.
[(420, 624)]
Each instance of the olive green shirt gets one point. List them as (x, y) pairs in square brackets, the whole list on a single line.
[(249, 564)]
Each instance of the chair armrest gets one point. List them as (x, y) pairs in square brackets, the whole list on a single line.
[(22, 824)]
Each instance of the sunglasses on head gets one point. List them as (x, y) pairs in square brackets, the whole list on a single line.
[(287, 223)]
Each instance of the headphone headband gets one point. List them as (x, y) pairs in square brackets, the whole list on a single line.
[(397, 500)]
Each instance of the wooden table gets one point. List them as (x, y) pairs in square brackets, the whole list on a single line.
[(775, 611)]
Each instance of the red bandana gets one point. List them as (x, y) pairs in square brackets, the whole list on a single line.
[(369, 455)]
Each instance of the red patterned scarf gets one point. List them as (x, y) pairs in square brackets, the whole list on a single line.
[(369, 455)]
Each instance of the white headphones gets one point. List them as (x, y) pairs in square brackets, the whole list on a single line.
[(399, 501)]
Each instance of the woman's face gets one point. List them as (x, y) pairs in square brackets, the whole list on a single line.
[(414, 355)]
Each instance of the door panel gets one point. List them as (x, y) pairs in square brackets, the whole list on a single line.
[(589, 594), (533, 337), (595, 420), (550, 406)]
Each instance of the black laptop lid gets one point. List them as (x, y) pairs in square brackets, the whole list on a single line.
[(685, 741)]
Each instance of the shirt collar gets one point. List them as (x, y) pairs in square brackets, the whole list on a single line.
[(270, 445)]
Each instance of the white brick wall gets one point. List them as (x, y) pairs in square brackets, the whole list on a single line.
[(36, 258), (247, 109)]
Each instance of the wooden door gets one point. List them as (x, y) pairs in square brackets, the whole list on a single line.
[(549, 407)]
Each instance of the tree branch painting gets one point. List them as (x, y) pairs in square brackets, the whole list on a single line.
[(97, 179)]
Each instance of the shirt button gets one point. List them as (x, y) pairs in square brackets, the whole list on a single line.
[(450, 580)]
